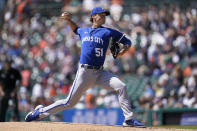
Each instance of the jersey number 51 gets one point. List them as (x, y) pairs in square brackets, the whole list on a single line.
[(99, 52)]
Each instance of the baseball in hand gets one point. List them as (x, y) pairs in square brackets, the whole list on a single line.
[(63, 14)]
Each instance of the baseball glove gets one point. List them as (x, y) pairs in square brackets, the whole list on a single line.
[(114, 47)]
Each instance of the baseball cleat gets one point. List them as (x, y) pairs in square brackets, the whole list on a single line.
[(133, 123), (33, 115)]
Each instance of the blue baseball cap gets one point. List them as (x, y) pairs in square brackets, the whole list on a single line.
[(98, 10)]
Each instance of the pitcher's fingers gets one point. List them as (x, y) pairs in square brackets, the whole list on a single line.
[(65, 14)]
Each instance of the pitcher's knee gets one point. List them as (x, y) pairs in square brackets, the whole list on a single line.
[(123, 86), (122, 89), (68, 103), (61, 102)]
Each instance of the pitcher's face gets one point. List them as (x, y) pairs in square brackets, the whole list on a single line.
[(99, 18)]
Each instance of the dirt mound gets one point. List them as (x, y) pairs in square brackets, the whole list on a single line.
[(61, 126)]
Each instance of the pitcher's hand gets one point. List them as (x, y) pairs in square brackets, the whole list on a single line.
[(66, 16)]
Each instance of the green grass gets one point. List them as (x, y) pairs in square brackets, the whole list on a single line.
[(178, 127)]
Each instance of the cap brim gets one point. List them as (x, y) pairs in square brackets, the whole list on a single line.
[(106, 12)]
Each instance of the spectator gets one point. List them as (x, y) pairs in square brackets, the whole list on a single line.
[(163, 38)]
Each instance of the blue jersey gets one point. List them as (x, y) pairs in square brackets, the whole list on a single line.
[(95, 42)]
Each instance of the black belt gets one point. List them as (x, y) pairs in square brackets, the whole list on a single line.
[(91, 67)]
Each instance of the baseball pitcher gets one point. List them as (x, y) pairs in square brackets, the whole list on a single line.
[(95, 41)]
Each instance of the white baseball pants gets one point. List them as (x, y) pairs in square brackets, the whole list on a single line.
[(85, 79)]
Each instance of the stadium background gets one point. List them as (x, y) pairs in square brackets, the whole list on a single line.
[(160, 69)]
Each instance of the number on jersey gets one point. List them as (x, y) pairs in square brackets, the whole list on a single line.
[(99, 52)]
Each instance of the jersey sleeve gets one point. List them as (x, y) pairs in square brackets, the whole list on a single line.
[(120, 37), (77, 31)]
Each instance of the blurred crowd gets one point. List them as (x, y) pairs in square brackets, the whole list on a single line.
[(47, 53)]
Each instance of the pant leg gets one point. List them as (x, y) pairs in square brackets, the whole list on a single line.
[(110, 81), (84, 80), (16, 111), (3, 108)]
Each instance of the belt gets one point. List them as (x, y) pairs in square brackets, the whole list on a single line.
[(91, 67)]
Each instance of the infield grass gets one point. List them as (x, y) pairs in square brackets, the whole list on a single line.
[(178, 127)]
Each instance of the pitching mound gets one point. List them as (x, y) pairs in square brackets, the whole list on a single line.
[(60, 126)]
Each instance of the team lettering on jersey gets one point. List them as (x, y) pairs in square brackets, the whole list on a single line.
[(93, 39)]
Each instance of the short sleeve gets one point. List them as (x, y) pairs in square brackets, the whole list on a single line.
[(77, 31), (120, 37)]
